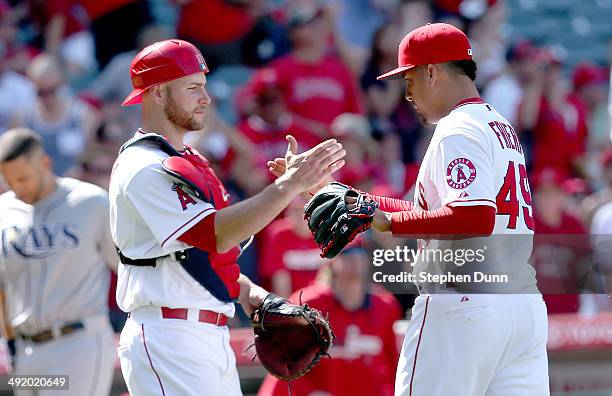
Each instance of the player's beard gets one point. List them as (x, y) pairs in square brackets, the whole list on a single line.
[(420, 115), (424, 120), (180, 117)]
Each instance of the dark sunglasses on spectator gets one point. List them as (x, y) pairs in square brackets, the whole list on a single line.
[(46, 92), (268, 100)]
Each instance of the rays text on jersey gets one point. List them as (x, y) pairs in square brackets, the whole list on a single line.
[(40, 240)]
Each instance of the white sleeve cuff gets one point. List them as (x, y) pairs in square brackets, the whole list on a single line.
[(472, 202)]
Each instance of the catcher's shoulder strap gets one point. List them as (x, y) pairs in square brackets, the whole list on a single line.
[(163, 145), (150, 262), (154, 138)]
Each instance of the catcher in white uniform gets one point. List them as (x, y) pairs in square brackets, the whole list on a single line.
[(465, 338), (179, 237)]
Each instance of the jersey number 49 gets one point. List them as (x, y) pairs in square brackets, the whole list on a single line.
[(507, 202)]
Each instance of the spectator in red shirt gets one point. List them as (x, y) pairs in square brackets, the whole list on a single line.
[(589, 93), (589, 82), (269, 121), (365, 352), (317, 87), (290, 258), (560, 244), (545, 114)]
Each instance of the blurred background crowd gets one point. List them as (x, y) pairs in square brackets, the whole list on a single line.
[(309, 67)]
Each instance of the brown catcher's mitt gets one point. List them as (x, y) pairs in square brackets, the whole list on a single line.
[(289, 339)]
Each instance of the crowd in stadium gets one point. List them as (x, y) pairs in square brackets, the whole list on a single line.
[(309, 68)]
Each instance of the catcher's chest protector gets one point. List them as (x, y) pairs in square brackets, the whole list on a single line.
[(217, 272)]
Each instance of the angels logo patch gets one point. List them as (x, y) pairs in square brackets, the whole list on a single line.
[(184, 198), (460, 173)]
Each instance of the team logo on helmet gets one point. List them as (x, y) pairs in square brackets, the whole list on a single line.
[(201, 61), (460, 173)]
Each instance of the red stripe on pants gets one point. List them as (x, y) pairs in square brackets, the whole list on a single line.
[(150, 362), (416, 353)]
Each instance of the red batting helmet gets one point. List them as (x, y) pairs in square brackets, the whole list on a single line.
[(162, 62)]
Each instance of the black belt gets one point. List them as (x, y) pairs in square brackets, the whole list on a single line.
[(47, 335), (150, 262)]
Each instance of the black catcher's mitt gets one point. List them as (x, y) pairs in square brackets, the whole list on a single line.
[(289, 339), (332, 223)]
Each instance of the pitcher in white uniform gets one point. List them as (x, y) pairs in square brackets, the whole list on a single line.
[(56, 253), (486, 339), (179, 236)]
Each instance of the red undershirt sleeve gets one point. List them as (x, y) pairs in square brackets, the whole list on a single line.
[(447, 222), (202, 235), (387, 204)]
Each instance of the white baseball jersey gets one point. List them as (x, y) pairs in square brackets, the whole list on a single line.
[(55, 256), (475, 158), (148, 212), (492, 344)]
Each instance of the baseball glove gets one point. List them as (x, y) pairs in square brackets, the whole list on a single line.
[(289, 339), (332, 223)]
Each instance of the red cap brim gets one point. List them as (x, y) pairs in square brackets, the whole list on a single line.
[(134, 97), (395, 73)]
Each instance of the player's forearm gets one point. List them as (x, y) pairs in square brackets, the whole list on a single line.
[(447, 222), (251, 295), (387, 204), (238, 222), (54, 33)]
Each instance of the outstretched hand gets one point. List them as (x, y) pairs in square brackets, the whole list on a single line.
[(311, 169), (322, 160)]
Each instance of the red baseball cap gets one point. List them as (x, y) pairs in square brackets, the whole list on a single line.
[(264, 80), (546, 57), (588, 73), (432, 43), (162, 62), (548, 177)]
